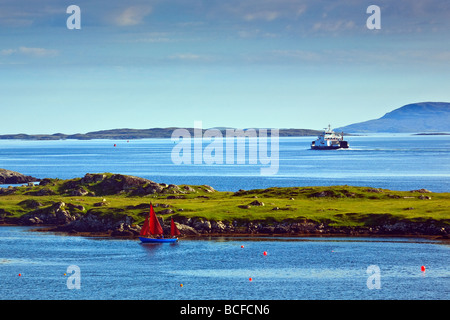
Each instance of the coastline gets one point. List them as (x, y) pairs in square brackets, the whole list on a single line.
[(115, 206), (325, 233)]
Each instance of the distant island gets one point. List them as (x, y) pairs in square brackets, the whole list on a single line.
[(423, 117), (131, 134)]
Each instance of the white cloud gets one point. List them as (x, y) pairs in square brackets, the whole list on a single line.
[(262, 15), (34, 52), (133, 15), (186, 56), (334, 26)]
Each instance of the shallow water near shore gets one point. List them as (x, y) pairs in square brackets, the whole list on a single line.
[(220, 268)]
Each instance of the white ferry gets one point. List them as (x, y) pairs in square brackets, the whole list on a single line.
[(329, 140)]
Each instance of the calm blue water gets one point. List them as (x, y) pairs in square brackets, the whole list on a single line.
[(302, 268), (401, 162)]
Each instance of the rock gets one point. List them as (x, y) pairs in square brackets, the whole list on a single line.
[(75, 207), (46, 181), (92, 178), (422, 197), (166, 211), (12, 177), (101, 204), (421, 191), (176, 197), (208, 188), (30, 204), (256, 203), (79, 192), (56, 214), (322, 194), (44, 192), (374, 190), (172, 189), (153, 188), (119, 183), (186, 230), (188, 189)]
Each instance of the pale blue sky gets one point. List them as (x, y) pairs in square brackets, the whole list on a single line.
[(246, 63)]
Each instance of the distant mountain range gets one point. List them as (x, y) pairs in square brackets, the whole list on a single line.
[(130, 134), (423, 117)]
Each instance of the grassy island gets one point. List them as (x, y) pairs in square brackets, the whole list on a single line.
[(117, 204)]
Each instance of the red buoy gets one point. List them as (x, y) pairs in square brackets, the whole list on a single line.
[(242, 246), (423, 268), (250, 279), (265, 253)]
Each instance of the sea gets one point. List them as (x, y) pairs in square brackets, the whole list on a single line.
[(50, 266)]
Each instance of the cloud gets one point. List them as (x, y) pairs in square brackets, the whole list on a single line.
[(334, 26), (262, 15), (33, 52), (188, 57), (133, 15)]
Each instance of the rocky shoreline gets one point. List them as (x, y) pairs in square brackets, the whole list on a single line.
[(58, 219)]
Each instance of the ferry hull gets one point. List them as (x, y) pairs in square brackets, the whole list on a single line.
[(341, 145)]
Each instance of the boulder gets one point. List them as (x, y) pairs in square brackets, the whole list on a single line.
[(13, 177), (256, 203)]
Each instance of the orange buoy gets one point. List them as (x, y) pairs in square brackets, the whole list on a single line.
[(181, 285), (423, 268)]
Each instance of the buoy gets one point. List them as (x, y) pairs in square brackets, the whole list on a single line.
[(114, 144), (181, 285), (250, 279), (64, 274), (20, 274), (265, 253), (423, 268), (242, 246)]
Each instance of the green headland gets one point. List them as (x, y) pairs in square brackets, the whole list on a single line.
[(116, 205)]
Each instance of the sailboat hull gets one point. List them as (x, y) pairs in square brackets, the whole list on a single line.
[(155, 240)]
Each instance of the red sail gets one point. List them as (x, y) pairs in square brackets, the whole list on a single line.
[(145, 230), (154, 227), (173, 229)]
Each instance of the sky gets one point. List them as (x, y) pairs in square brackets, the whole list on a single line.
[(227, 63)]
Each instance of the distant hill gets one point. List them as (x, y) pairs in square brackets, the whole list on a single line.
[(411, 118), (130, 134)]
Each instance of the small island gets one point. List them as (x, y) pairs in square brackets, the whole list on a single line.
[(115, 205)]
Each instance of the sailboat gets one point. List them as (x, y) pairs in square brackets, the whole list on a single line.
[(152, 227)]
